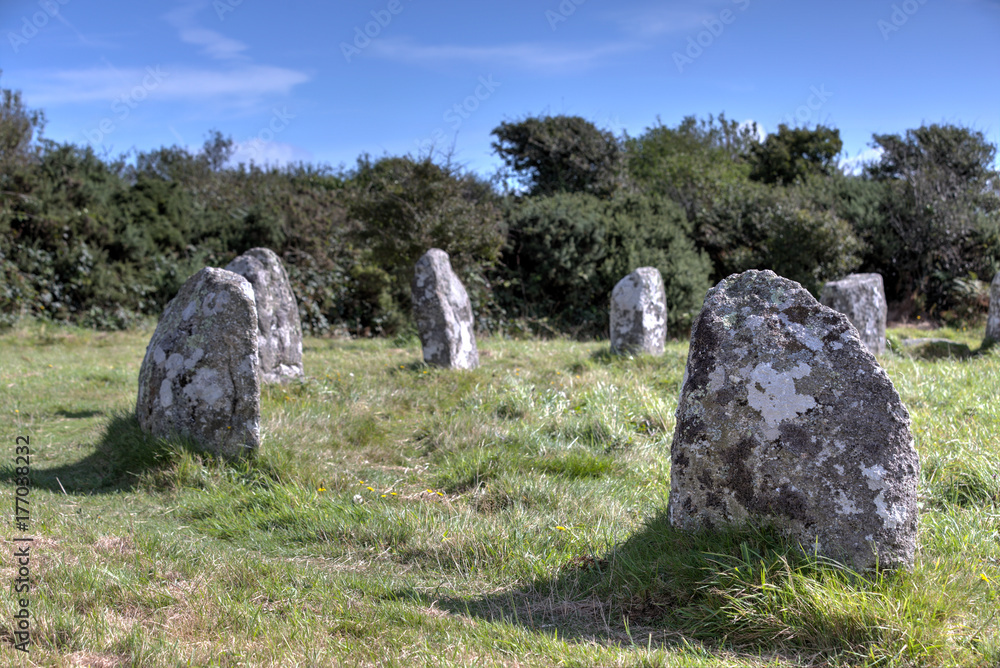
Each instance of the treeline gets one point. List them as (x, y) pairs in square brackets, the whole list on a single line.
[(104, 242)]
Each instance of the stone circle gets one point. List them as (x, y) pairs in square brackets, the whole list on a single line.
[(279, 329), (443, 313), (785, 419), (199, 376), (993, 315), (639, 313), (861, 297)]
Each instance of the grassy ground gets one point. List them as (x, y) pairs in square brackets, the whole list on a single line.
[(512, 516)]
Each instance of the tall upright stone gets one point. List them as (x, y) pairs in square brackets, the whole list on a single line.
[(639, 313), (993, 315), (861, 297), (199, 376), (443, 313), (786, 419), (279, 329)]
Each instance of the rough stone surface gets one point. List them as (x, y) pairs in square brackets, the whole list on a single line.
[(993, 316), (861, 297), (199, 376), (639, 313), (443, 313), (279, 330), (785, 418)]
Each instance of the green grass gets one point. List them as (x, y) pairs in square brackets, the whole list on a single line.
[(512, 516)]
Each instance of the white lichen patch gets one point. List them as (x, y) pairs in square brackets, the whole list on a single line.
[(802, 333), (845, 504), (777, 399)]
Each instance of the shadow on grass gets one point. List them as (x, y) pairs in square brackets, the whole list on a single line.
[(942, 349), (78, 414), (122, 455), (665, 589)]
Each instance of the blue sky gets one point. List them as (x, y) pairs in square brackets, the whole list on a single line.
[(326, 82)]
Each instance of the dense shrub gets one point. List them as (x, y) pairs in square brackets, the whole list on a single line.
[(565, 253)]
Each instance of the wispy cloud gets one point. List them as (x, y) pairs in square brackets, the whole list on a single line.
[(547, 57), (647, 22), (214, 44), (240, 86)]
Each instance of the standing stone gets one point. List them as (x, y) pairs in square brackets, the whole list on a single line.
[(199, 376), (639, 313), (443, 313), (993, 316), (861, 297), (786, 419), (279, 330)]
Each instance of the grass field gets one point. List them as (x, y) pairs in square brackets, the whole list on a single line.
[(511, 516)]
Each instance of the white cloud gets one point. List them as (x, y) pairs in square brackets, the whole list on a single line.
[(856, 163), (761, 133), (240, 86), (527, 56), (215, 45)]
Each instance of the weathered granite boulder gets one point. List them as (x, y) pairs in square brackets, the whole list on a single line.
[(279, 330), (993, 315), (861, 297), (199, 376), (786, 419), (639, 313), (443, 313)]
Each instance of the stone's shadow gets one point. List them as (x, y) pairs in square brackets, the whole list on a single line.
[(937, 349), (79, 414), (123, 453), (654, 590)]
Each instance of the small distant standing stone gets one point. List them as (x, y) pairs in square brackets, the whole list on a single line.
[(861, 297), (279, 329), (443, 313), (199, 376), (784, 419), (639, 313), (993, 317)]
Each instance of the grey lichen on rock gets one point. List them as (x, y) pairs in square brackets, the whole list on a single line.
[(278, 325), (443, 313), (639, 313), (199, 376), (993, 315), (861, 297), (786, 419)]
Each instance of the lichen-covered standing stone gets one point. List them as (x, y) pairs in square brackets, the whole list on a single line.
[(993, 315), (199, 376), (786, 419), (639, 313), (861, 297), (279, 330), (443, 313)]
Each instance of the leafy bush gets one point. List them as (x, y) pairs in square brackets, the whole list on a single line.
[(566, 252)]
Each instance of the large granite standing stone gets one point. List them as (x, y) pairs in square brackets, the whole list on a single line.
[(993, 315), (443, 313), (199, 376), (861, 297), (639, 313), (279, 330), (786, 419)]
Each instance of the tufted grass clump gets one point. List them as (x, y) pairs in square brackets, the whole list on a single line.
[(399, 514)]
